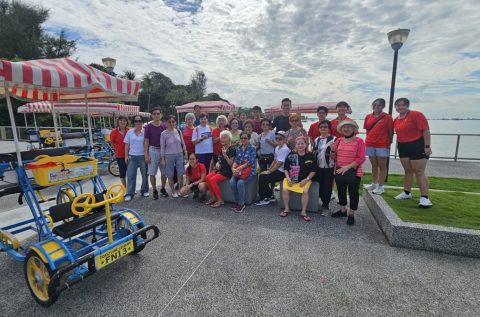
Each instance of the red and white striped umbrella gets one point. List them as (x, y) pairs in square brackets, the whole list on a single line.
[(95, 108), (62, 79), (36, 107), (208, 106)]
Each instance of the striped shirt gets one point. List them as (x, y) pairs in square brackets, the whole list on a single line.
[(348, 152)]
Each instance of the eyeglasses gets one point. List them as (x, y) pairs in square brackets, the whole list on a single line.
[(156, 113), (138, 121), (323, 127), (171, 121), (243, 138), (234, 123)]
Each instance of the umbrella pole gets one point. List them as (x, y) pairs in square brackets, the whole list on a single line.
[(35, 121), (25, 117), (70, 118), (89, 125), (14, 126), (83, 122), (55, 126)]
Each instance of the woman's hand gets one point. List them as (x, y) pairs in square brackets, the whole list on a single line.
[(303, 182), (147, 159), (343, 170), (428, 151), (162, 161), (289, 181), (265, 172), (185, 156), (126, 159), (217, 166)]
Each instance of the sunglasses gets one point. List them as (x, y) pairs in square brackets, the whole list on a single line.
[(323, 127)]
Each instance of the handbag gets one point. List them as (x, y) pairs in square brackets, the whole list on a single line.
[(245, 172), (348, 177)]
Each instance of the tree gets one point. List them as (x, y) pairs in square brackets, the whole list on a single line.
[(20, 30), (198, 84), (57, 47), (128, 74), (99, 67)]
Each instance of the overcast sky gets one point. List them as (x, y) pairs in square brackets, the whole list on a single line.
[(256, 52)]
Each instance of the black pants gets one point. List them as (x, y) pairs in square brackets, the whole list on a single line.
[(353, 188), (266, 183), (264, 162), (324, 177)]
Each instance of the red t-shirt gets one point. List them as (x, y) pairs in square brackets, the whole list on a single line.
[(379, 136), (196, 173), (116, 138), (187, 139), (335, 124), (313, 132), (217, 146), (257, 126), (411, 127)]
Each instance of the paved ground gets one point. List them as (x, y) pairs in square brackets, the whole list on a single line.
[(217, 263)]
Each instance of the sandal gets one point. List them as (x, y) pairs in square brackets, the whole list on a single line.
[(306, 218), (284, 214), (210, 202), (217, 204)]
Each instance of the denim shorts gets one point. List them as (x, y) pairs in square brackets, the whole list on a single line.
[(377, 151), (154, 164), (172, 162)]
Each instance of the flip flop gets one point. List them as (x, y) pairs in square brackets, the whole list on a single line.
[(210, 202), (217, 205), (306, 218), (284, 214)]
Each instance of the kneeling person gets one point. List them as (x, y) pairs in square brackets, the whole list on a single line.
[(195, 178)]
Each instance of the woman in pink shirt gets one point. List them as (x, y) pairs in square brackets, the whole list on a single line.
[(349, 155)]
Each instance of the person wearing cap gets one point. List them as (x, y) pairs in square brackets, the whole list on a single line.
[(413, 136), (379, 126), (342, 109), (300, 168), (275, 172), (349, 154), (257, 121)]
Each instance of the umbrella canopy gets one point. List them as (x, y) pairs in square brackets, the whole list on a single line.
[(145, 114), (303, 108), (208, 106), (60, 79), (36, 107), (96, 108)]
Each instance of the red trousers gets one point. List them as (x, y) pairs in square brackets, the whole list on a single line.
[(213, 179)]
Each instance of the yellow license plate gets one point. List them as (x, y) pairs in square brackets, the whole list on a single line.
[(114, 254)]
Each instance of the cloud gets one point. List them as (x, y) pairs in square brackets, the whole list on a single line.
[(260, 51)]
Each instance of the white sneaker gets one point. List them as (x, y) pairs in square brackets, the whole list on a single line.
[(263, 202), (379, 190), (175, 195), (272, 199), (372, 186), (404, 195), (424, 203), (276, 188), (145, 194), (127, 198)]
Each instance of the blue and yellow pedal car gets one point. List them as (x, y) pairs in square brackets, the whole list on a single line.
[(75, 238)]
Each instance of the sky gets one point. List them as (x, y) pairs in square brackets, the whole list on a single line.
[(257, 52)]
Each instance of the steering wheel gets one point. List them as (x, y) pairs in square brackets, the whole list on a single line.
[(82, 204), (116, 192)]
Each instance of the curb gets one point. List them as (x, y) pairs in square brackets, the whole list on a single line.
[(464, 242)]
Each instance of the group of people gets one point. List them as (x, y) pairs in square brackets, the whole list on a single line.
[(197, 158)]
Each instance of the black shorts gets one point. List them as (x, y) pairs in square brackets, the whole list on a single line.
[(414, 150)]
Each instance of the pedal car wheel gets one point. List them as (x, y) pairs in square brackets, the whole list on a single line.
[(124, 224), (113, 168), (38, 274)]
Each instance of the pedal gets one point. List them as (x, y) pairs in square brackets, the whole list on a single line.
[(9, 239)]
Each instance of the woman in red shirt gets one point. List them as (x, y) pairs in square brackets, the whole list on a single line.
[(413, 137), (379, 126), (217, 145), (195, 174), (116, 138), (188, 131)]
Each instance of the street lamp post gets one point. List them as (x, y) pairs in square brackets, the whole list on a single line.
[(396, 39), (109, 64)]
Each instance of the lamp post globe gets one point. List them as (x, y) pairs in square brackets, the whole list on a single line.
[(396, 39)]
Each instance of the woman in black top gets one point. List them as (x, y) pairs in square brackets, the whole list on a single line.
[(300, 167), (322, 146), (222, 171)]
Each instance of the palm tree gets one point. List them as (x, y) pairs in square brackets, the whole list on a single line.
[(129, 74)]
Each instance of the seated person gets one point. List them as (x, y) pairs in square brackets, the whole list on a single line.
[(300, 167), (195, 178)]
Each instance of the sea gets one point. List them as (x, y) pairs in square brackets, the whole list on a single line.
[(443, 146)]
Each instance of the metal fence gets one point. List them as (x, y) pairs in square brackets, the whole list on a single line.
[(446, 146)]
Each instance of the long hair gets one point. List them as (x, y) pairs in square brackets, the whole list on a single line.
[(189, 168)]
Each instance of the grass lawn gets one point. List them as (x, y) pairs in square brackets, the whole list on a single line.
[(453, 184), (451, 209)]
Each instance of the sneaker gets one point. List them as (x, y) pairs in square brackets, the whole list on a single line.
[(339, 214), (195, 194), (378, 190), (163, 192), (351, 220), (333, 196), (272, 199), (175, 195), (239, 208), (234, 207), (263, 202), (424, 203), (372, 186), (145, 194), (185, 196), (127, 198), (277, 188), (155, 194), (324, 211), (404, 195)]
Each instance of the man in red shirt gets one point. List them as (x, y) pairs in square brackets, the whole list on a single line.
[(313, 131), (257, 125), (342, 109)]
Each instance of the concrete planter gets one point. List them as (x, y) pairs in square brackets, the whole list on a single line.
[(465, 242)]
